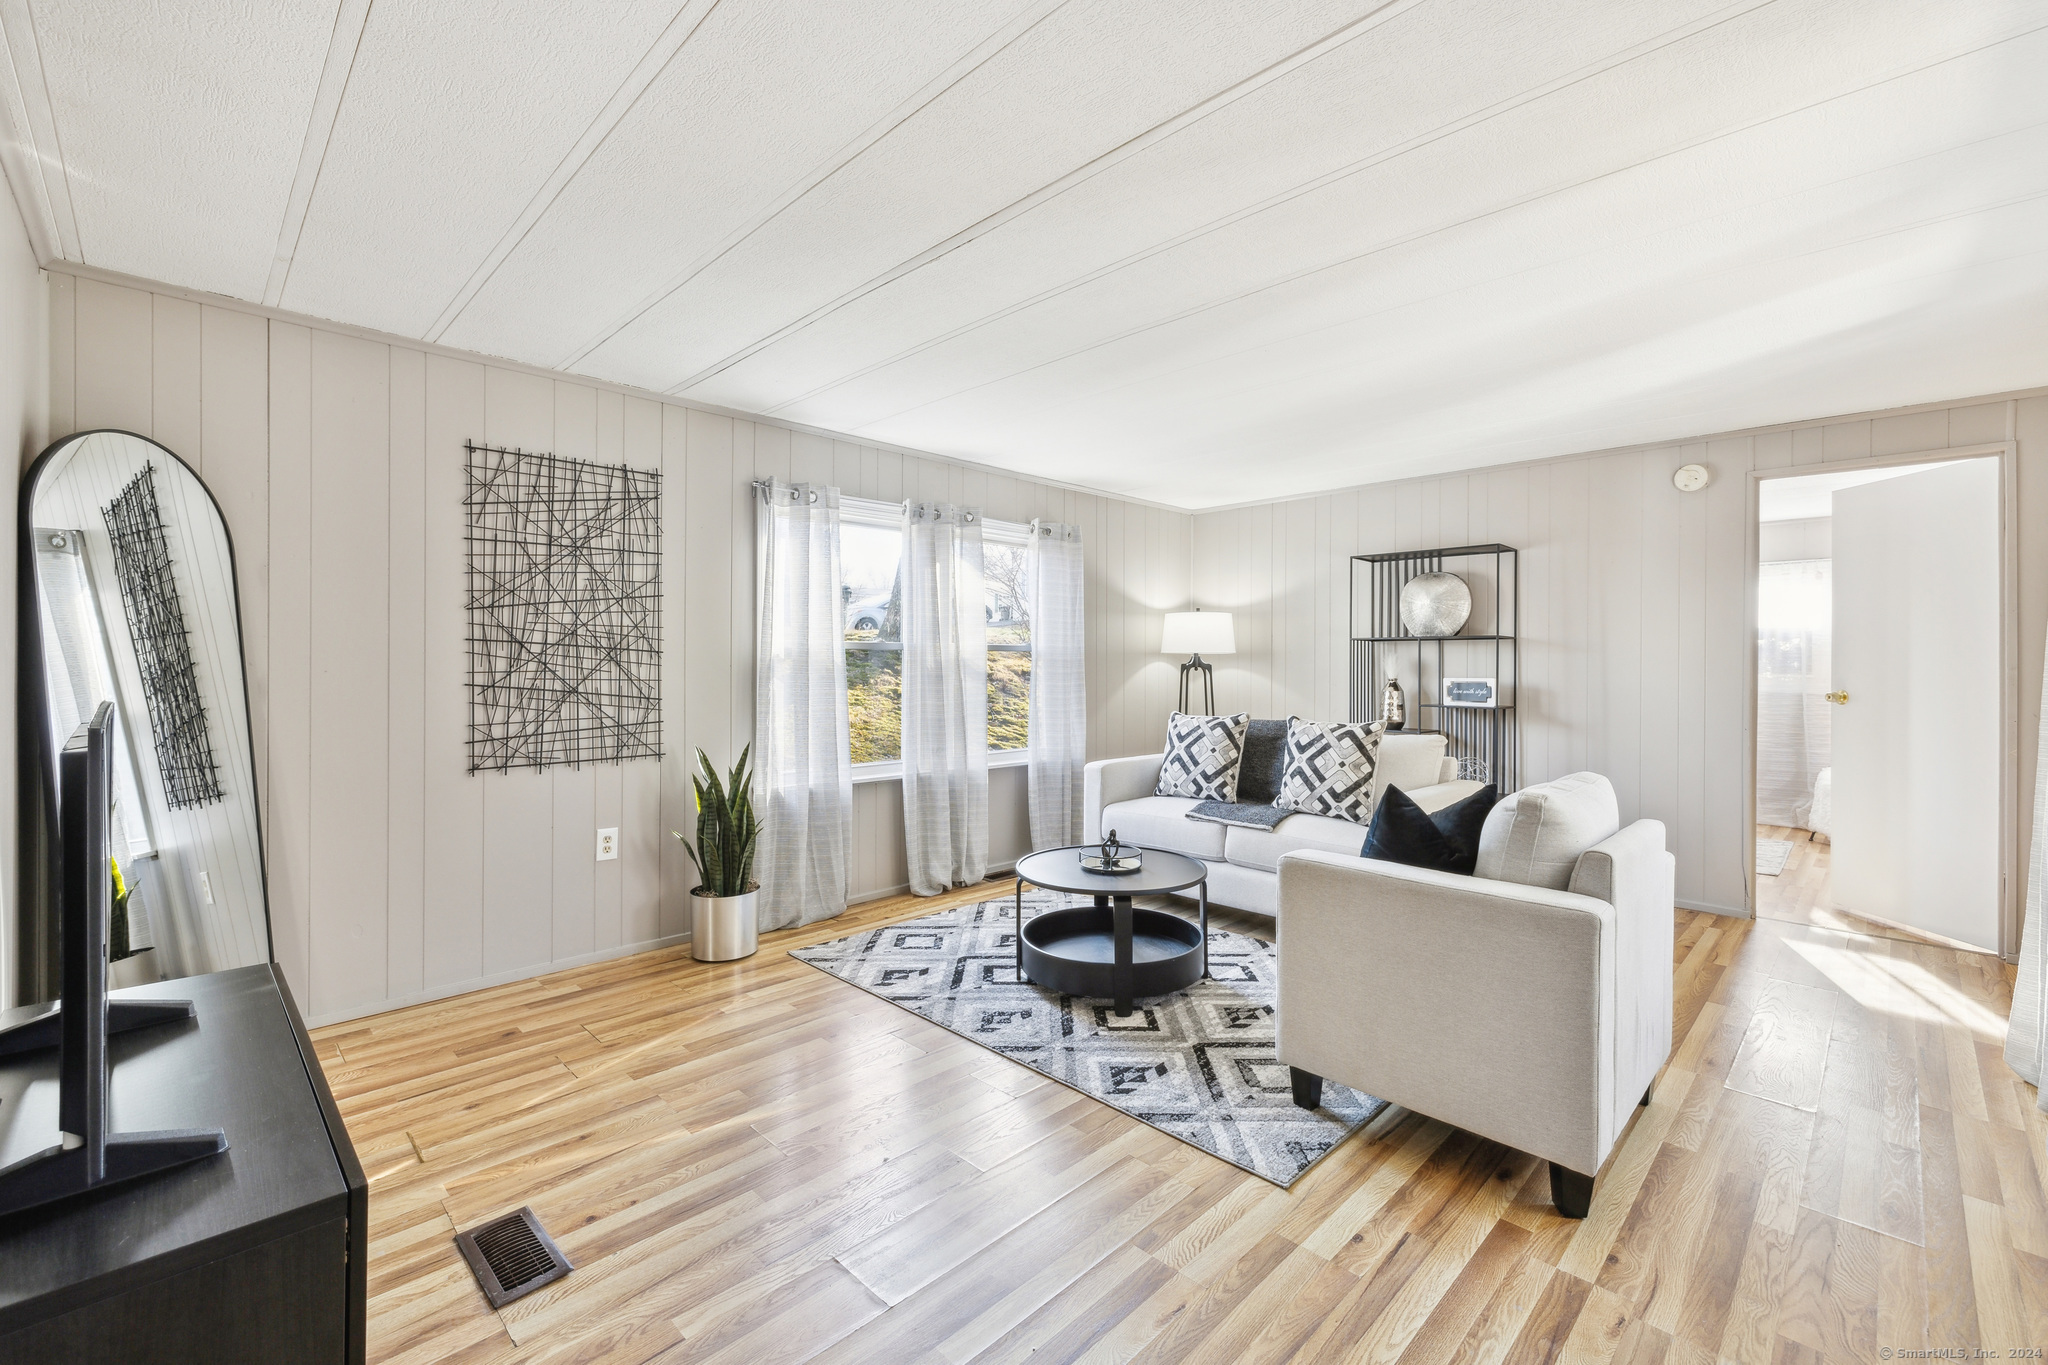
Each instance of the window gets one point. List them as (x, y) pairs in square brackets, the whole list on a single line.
[(871, 558), (1009, 636)]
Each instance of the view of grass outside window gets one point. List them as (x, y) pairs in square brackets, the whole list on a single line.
[(871, 557), (1009, 646)]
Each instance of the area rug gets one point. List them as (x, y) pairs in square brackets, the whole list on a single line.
[(1198, 1064), (1771, 855)]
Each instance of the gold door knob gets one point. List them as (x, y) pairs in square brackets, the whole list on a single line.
[(1839, 698)]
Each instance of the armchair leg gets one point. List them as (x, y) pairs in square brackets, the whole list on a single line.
[(1308, 1088), (1570, 1192), (1645, 1100)]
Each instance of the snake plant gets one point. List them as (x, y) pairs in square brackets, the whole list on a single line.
[(727, 828)]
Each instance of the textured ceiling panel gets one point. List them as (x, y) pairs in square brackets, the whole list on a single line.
[(454, 117), (1200, 253), (180, 123), (1614, 342), (1362, 99), (764, 95), (1726, 79), (1091, 76)]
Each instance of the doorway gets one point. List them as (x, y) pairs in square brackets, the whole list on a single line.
[(1879, 703)]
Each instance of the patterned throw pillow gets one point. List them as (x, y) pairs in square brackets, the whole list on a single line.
[(1329, 769), (1202, 756)]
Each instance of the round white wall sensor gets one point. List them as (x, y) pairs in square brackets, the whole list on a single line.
[(1691, 478)]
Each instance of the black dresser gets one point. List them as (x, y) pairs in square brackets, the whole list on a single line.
[(256, 1255)]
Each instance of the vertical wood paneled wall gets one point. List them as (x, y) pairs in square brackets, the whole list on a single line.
[(24, 422), (1634, 608), (394, 874)]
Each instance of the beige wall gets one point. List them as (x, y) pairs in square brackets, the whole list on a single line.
[(24, 390), (395, 875), (1633, 599)]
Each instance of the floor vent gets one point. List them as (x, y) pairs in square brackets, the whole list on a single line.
[(512, 1256)]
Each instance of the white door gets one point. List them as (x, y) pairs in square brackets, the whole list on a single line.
[(1916, 742)]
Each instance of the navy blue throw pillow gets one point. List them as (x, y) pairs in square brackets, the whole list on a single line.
[(1446, 841)]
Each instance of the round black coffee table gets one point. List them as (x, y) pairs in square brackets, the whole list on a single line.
[(1109, 948)]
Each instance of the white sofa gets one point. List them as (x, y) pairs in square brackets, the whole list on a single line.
[(1244, 864), (1530, 1003)]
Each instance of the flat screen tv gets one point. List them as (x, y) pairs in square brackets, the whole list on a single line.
[(86, 1155)]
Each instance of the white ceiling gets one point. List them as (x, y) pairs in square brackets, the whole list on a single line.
[(1201, 254)]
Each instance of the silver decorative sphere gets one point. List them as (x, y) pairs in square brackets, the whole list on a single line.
[(1434, 605)]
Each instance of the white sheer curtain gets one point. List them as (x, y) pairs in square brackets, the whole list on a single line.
[(945, 698), (802, 762), (2026, 1037), (1059, 684), (1795, 623)]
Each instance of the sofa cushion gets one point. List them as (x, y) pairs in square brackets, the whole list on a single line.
[(1535, 837), (1260, 849), (1202, 756), (1162, 822), (1408, 761), (1433, 799)]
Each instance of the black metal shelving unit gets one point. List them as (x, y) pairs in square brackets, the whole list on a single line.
[(1486, 740)]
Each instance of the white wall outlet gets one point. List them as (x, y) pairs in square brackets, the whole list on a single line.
[(205, 888), (607, 845)]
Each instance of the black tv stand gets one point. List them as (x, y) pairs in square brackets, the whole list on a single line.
[(253, 1258), (87, 1155)]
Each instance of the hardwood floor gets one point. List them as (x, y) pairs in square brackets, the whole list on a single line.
[(1800, 893), (756, 1162)]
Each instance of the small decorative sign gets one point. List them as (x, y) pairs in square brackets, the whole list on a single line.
[(1469, 692)]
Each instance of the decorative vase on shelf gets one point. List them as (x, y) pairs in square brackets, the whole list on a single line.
[(1393, 705), (1435, 606)]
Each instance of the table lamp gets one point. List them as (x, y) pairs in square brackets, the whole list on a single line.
[(1195, 633)]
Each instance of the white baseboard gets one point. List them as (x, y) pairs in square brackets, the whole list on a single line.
[(903, 888), (1732, 911), (478, 983)]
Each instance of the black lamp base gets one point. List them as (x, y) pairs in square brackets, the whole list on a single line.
[(1188, 671)]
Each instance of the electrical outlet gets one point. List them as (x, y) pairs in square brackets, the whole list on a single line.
[(607, 845), (205, 888)]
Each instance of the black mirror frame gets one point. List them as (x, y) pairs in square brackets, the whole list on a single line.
[(36, 879)]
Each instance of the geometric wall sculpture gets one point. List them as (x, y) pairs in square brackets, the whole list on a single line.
[(564, 610)]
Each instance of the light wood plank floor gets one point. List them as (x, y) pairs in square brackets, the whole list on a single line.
[(755, 1162), (1800, 893)]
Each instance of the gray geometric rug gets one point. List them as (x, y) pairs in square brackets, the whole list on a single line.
[(1771, 855), (1198, 1064)]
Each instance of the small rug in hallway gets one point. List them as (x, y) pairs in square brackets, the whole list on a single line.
[(1771, 855), (1198, 1064)]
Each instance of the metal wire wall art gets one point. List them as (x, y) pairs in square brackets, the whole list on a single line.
[(564, 601), (163, 646)]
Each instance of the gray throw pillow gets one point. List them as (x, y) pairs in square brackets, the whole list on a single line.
[(1203, 754), (1329, 768)]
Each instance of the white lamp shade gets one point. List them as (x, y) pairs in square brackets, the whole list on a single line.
[(1198, 632)]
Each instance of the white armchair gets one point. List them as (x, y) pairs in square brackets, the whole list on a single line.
[(1533, 1014)]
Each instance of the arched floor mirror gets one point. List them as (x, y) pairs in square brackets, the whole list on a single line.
[(129, 596)]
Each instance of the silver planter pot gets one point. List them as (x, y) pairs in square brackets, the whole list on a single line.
[(722, 928)]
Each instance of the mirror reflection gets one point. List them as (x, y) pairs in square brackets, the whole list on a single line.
[(135, 584)]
